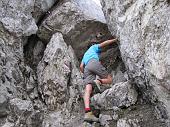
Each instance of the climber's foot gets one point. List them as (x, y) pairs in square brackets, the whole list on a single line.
[(90, 117)]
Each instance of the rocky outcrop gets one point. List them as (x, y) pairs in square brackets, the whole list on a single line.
[(42, 8), (78, 23), (17, 80), (143, 30), (54, 72), (11, 81), (40, 83), (15, 15), (120, 95), (127, 123), (60, 84), (22, 113)]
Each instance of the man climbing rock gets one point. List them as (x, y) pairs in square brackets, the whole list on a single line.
[(91, 67)]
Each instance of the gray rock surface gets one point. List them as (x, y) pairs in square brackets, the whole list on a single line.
[(59, 84), (11, 65), (78, 23), (127, 123), (42, 7), (20, 111), (51, 94), (143, 29), (15, 15), (22, 114), (54, 73), (120, 95)]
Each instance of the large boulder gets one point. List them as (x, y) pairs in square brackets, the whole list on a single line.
[(79, 21), (54, 72), (41, 8), (22, 114), (15, 15), (120, 95), (60, 84), (11, 65), (128, 123), (16, 79), (143, 29)]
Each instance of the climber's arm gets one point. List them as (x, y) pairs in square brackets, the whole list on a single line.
[(108, 42), (82, 67)]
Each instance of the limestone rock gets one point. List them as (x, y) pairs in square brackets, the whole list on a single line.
[(104, 120), (143, 29), (11, 65), (15, 15), (16, 22), (54, 72), (78, 23), (62, 119), (120, 95), (41, 7), (127, 123), (76, 77), (3, 104), (20, 110), (59, 80), (23, 114), (38, 51), (21, 106)]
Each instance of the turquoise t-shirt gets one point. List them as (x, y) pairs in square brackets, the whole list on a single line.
[(92, 53)]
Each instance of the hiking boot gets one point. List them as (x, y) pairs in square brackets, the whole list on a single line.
[(96, 86), (90, 117)]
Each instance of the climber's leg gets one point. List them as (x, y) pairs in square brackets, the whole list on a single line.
[(87, 94), (89, 116), (88, 78)]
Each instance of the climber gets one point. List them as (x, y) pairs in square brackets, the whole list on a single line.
[(91, 67)]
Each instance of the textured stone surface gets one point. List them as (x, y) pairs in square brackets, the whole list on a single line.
[(143, 29), (62, 119), (65, 17), (16, 16), (78, 23), (127, 123), (11, 63), (59, 80), (22, 114), (55, 99), (120, 95), (42, 7), (54, 72), (20, 111)]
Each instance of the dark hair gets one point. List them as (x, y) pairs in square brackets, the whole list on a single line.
[(90, 44), (168, 1)]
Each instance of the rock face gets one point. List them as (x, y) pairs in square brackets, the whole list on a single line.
[(60, 83), (15, 15), (42, 7), (127, 123), (54, 72), (143, 29), (11, 81), (17, 80), (40, 83), (78, 23), (120, 95)]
